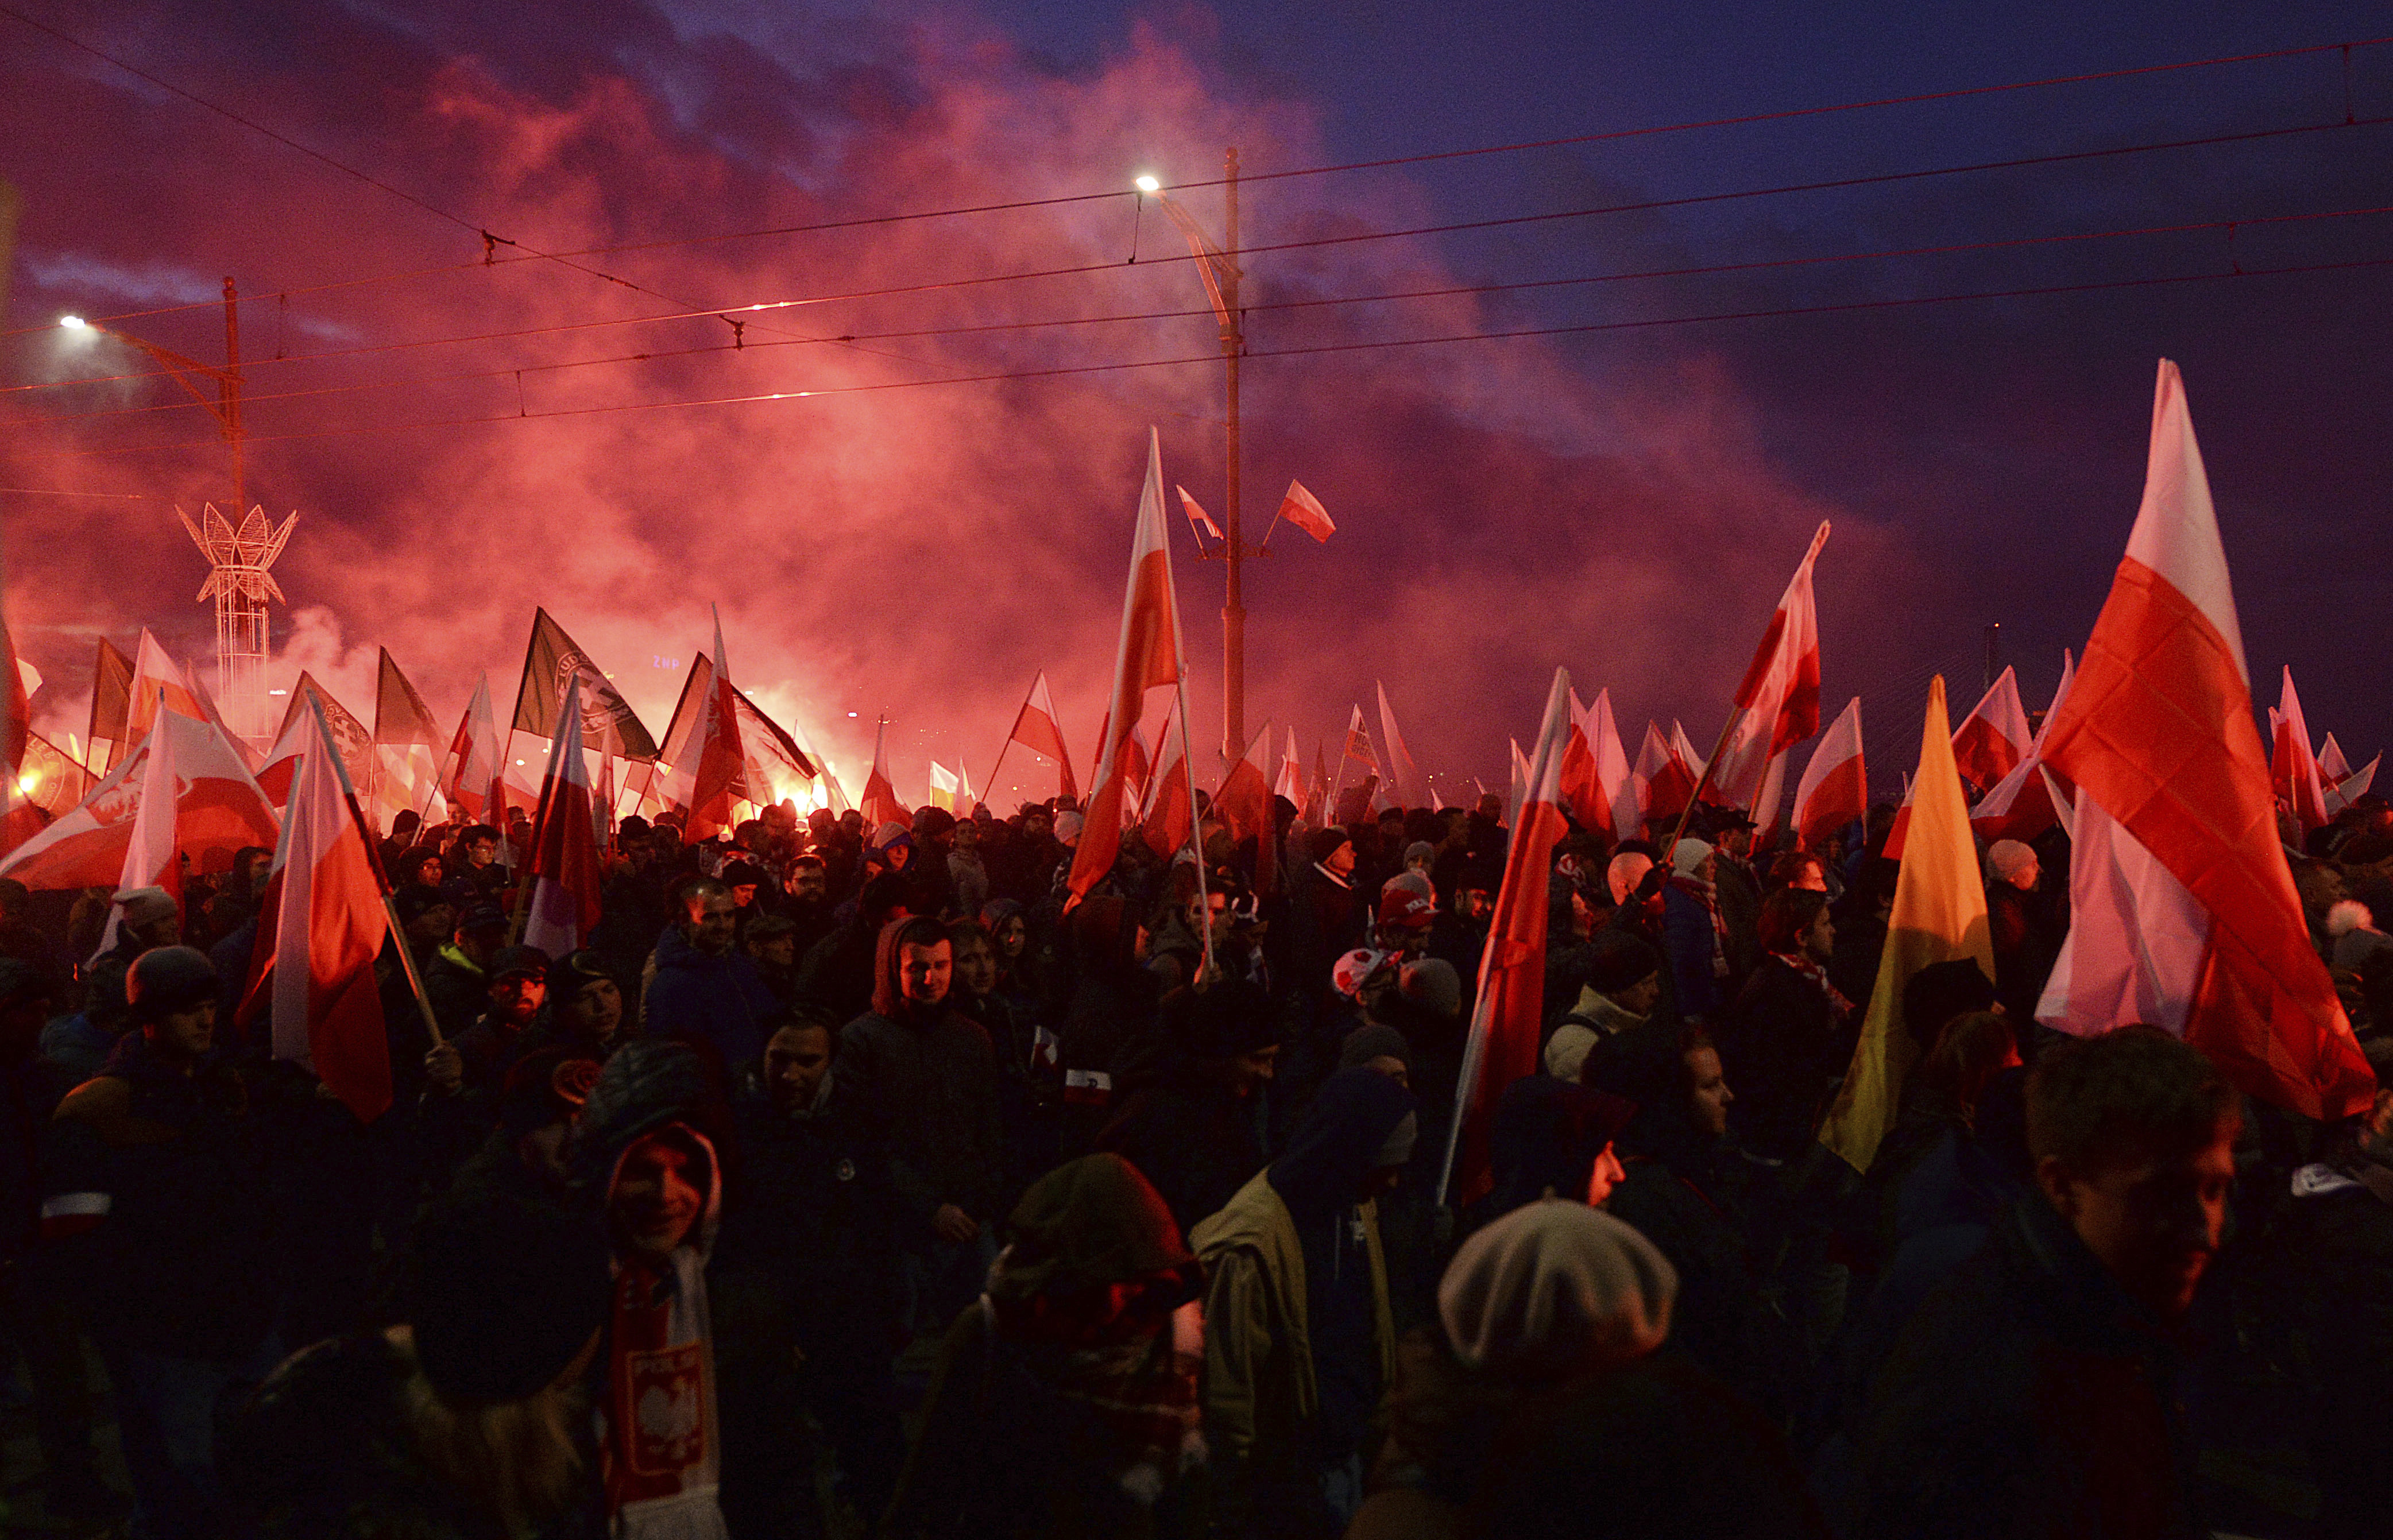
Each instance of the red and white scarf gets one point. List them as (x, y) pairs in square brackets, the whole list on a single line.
[(1801, 963)]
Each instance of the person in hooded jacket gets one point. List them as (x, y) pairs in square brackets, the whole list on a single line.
[(155, 1184), (646, 1169), (806, 1285), (925, 1081), (837, 972), (1187, 1102), (705, 992), (1300, 1336), (1066, 1402)]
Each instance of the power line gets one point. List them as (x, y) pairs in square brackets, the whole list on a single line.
[(1640, 205), (1016, 205), (1450, 291), (1213, 356)]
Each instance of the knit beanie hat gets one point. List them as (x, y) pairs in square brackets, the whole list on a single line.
[(1555, 1285), (1372, 1041), (1323, 842), (1432, 983), (2008, 859), (504, 1293), (1419, 850), (146, 905), (1687, 856), (167, 979)]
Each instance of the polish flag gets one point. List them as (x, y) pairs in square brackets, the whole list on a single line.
[(1303, 510), (1198, 524), (1778, 701), (1770, 802), (16, 711), (1139, 795), (1172, 812), (476, 760), (563, 861), (2158, 733), (1291, 776), (1581, 796), (1147, 656), (1834, 787), (1039, 729), (320, 926), (2332, 766), (1993, 738), (219, 810), (407, 741), (150, 858), (720, 772), (1502, 1046), (2352, 787), (158, 680), (1404, 780), (1243, 803), (1358, 745), (1667, 781), (880, 802), (1522, 773), (2293, 770), (1615, 784), (2028, 800)]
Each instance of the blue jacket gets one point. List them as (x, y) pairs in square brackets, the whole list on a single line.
[(1687, 935), (721, 1002)]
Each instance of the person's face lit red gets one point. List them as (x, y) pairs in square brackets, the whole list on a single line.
[(656, 1197), (2153, 1216), (795, 1062), (596, 1010), (923, 972), (711, 921), (1608, 1174), (975, 965)]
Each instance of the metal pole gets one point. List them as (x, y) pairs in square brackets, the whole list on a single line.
[(1994, 649), (228, 392), (1234, 612)]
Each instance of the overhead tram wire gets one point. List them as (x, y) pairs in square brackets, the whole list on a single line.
[(1635, 206), (1011, 205), (1450, 291), (1062, 371)]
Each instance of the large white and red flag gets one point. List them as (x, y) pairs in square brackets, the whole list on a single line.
[(1993, 738), (1147, 657), (1502, 1045), (720, 772), (149, 854), (159, 683), (2158, 735), (1039, 729), (880, 804), (219, 812), (1778, 700), (1581, 797), (563, 868), (1358, 746), (1404, 779), (1666, 782), (407, 740), (1834, 787), (2294, 771), (1171, 809), (475, 768), (319, 927)]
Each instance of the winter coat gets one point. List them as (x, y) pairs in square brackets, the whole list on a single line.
[(1687, 937), (459, 989), (2027, 1397), (1780, 1047), (162, 1178), (1186, 1132), (1594, 1018), (925, 1086), (721, 1002), (2340, 1238)]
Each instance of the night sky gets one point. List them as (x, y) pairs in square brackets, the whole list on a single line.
[(1626, 502)]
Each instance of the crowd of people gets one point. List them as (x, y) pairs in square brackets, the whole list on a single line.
[(848, 1181)]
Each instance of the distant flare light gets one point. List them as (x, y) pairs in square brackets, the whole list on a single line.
[(1147, 184), (74, 323)]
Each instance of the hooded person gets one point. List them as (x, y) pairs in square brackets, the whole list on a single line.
[(1065, 1400), (1624, 985), (645, 1165), (1553, 1140), (707, 992), (468, 1419), (925, 1082), (1301, 1340), (1184, 1108)]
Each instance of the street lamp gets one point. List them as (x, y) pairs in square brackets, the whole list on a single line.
[(223, 403), (1219, 269)]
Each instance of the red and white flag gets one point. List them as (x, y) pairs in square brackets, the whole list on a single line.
[(149, 855), (1291, 776), (1404, 779), (1993, 738), (2293, 770), (1580, 794), (1243, 800), (1834, 787), (477, 763), (880, 804), (1303, 510), (1147, 656), (219, 811), (719, 770), (1199, 524), (1616, 782), (2352, 787), (563, 868), (1039, 729), (158, 681), (1778, 701), (1358, 746), (1171, 809), (2332, 768), (2028, 798), (2158, 735), (319, 928), (1502, 1046), (407, 741), (1664, 781)]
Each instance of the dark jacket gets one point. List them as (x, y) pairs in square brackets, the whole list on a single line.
[(459, 989), (1185, 1129), (925, 1086), (1780, 1047), (1687, 937), (2027, 1397), (2339, 1235), (720, 1001)]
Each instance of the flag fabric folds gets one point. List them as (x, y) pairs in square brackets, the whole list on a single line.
[(475, 768), (880, 804), (1198, 522), (1778, 701), (1303, 510), (219, 811), (320, 926), (111, 703), (1147, 657), (2158, 733), (1938, 915), (1039, 729), (1404, 779), (2294, 771), (549, 659), (944, 787), (2027, 801), (353, 739), (1993, 738), (1834, 787), (563, 867), (1243, 804), (1502, 1045), (721, 770), (149, 859)]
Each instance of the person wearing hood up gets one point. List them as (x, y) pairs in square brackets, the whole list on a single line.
[(1301, 1338), (1538, 1404), (1065, 1400), (705, 991), (1186, 1110), (925, 1084), (642, 1161)]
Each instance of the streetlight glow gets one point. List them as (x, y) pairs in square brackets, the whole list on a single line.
[(74, 323), (1147, 184)]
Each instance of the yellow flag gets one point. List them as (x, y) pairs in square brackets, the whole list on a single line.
[(1939, 914)]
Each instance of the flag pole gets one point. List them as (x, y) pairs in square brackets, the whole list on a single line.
[(382, 879)]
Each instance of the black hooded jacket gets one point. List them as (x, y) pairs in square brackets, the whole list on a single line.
[(925, 1086)]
